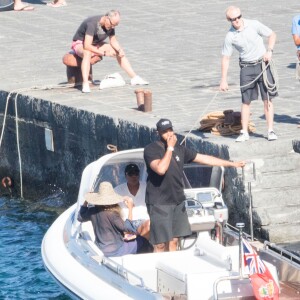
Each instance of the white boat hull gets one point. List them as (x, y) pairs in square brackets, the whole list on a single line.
[(204, 270)]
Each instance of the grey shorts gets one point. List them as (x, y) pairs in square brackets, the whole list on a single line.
[(168, 222), (250, 92)]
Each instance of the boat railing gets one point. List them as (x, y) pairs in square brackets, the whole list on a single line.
[(240, 276), (234, 232), (249, 176), (283, 253), (225, 278), (122, 271)]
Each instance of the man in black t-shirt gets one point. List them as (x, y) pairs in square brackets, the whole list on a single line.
[(165, 191), (89, 39)]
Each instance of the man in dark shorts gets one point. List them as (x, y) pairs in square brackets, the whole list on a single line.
[(246, 36), (165, 191), (89, 41)]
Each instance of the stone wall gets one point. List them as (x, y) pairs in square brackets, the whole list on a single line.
[(79, 137)]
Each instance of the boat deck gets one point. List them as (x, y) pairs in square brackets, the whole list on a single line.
[(289, 291)]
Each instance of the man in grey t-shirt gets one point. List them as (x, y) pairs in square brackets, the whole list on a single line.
[(246, 36), (88, 41)]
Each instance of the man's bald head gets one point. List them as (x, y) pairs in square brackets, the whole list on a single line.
[(232, 12)]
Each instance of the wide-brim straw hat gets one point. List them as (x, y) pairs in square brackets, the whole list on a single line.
[(105, 196)]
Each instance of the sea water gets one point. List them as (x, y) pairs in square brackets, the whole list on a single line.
[(23, 224)]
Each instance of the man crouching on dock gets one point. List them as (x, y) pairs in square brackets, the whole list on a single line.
[(88, 41)]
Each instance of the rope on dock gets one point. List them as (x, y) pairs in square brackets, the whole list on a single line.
[(223, 123)]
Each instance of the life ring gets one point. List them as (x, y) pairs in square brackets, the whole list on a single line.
[(6, 182)]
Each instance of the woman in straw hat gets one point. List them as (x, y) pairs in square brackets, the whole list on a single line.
[(109, 228)]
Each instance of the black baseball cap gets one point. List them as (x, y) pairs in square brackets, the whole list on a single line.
[(163, 124), (132, 168)]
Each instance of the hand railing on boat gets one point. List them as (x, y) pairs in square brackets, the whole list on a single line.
[(122, 271), (249, 178), (283, 253), (240, 276), (109, 263)]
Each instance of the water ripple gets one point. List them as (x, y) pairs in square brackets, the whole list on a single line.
[(23, 224)]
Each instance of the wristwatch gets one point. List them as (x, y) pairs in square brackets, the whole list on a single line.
[(170, 148)]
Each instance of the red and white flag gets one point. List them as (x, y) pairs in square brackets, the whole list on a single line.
[(263, 284)]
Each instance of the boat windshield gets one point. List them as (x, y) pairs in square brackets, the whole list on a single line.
[(200, 176), (195, 175), (115, 173)]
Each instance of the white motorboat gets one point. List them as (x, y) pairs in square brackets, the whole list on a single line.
[(207, 265)]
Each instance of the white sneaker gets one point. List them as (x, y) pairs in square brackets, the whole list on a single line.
[(137, 80), (272, 136), (86, 88), (243, 137)]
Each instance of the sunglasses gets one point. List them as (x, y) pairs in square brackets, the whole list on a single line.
[(234, 19), (133, 173), (111, 23)]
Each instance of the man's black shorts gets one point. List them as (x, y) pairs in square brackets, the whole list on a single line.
[(168, 222)]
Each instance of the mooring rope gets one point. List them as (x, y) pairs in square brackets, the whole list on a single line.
[(18, 146), (200, 118), (4, 119)]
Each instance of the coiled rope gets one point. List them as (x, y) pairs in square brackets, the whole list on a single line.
[(272, 88), (215, 122)]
